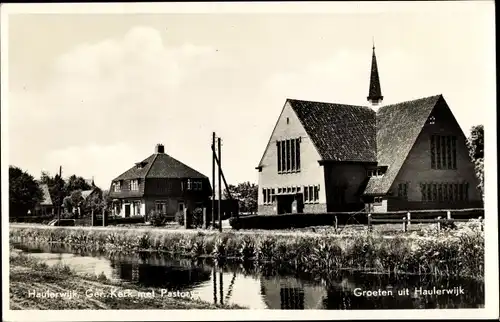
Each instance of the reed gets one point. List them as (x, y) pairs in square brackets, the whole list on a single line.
[(457, 252)]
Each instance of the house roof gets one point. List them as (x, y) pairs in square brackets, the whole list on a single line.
[(87, 193), (330, 126), (398, 127), (160, 165), (357, 133), (47, 200)]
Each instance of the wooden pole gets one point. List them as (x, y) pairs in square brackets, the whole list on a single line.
[(220, 185), (221, 289), (60, 193), (336, 223), (408, 218), (405, 227), (448, 215), (214, 277), (213, 180), (369, 222), (439, 223)]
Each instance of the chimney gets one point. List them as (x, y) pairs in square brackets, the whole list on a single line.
[(160, 148)]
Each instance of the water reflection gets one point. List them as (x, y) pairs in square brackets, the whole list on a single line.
[(263, 287)]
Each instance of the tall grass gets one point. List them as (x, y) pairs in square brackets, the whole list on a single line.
[(458, 252)]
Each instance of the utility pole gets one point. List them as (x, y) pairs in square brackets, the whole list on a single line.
[(220, 186), (60, 190), (213, 180)]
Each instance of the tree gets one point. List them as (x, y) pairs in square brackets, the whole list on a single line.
[(475, 143), (24, 192), (246, 193), (76, 183)]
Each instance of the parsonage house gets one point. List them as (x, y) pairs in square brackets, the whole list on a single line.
[(159, 183), (327, 157)]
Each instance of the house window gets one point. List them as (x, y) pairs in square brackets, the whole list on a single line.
[(403, 190), (197, 185), (378, 172), (288, 156), (268, 196), (447, 192), (189, 184), (134, 185), (443, 152), (377, 200), (161, 206), (117, 186), (311, 194)]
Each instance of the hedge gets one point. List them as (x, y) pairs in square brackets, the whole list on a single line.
[(33, 219), (302, 220)]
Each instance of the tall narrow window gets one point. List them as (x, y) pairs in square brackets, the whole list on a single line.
[(445, 192), (443, 152), (433, 152), (278, 148), (429, 192), (316, 193), (434, 192), (466, 191), (438, 152), (423, 191), (297, 153), (450, 192), (454, 152), (292, 156), (283, 156), (440, 192), (311, 193), (455, 191), (460, 192), (306, 194), (448, 152), (288, 155)]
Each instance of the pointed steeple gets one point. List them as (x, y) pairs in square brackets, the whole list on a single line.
[(374, 93)]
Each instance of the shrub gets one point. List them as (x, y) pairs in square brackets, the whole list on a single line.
[(157, 218), (197, 217), (179, 218)]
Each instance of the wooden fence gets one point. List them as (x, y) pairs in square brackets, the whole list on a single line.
[(425, 217)]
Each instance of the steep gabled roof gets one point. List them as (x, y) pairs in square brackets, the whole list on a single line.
[(47, 200), (164, 166), (398, 127), (135, 172), (339, 132), (160, 165)]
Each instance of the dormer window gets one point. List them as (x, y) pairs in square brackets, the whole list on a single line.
[(117, 187), (140, 165), (377, 172), (432, 120)]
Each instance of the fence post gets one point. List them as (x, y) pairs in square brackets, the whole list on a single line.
[(405, 225), (104, 218), (448, 215), (185, 213), (205, 223), (336, 223), (369, 222), (408, 218), (439, 223)]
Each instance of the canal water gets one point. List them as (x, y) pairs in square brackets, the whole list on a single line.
[(248, 286)]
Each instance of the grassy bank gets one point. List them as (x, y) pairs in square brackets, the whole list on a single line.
[(31, 281), (458, 252)]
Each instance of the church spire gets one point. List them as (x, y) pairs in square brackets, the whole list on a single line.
[(374, 93)]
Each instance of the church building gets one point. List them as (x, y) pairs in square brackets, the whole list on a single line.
[(327, 157)]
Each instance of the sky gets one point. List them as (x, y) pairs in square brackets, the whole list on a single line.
[(94, 93)]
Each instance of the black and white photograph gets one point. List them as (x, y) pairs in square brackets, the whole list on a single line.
[(247, 161)]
